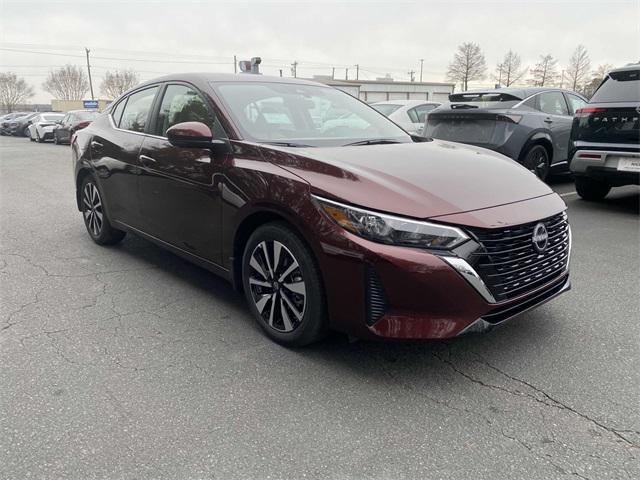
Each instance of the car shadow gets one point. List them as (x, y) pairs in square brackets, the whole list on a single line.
[(623, 200)]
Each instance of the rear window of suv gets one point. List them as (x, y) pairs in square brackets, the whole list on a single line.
[(621, 86)]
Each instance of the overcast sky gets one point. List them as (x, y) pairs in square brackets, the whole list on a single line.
[(157, 37)]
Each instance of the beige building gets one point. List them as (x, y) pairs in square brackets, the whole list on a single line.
[(383, 89)]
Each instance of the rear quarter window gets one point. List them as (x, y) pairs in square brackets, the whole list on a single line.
[(619, 87)]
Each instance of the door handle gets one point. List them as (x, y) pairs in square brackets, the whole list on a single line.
[(548, 120), (145, 160), (96, 145)]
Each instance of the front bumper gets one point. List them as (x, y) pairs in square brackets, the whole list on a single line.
[(386, 291)]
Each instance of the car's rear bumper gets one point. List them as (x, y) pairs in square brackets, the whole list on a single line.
[(605, 165)]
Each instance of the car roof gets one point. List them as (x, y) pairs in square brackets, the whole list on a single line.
[(626, 68), (520, 93), (204, 77), (85, 110)]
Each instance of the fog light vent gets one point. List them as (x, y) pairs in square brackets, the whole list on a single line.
[(376, 299)]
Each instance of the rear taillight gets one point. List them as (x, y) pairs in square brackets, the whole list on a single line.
[(585, 110), (589, 155)]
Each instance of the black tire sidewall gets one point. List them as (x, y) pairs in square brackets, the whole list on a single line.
[(591, 189), (546, 157), (108, 235), (314, 322)]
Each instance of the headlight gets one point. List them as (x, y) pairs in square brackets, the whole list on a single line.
[(383, 228)]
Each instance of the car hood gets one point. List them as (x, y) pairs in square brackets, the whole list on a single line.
[(420, 180)]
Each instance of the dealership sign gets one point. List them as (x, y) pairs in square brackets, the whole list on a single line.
[(90, 103)]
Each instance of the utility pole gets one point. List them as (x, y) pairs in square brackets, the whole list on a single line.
[(421, 64), (412, 75), (280, 72), (357, 72), (346, 74), (89, 71), (294, 69), (333, 73), (235, 64)]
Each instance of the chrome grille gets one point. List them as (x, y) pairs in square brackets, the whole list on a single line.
[(510, 266)]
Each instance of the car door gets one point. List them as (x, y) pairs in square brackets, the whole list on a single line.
[(62, 130), (115, 150), (557, 120), (179, 195)]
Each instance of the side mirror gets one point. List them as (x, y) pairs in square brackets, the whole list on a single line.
[(190, 135)]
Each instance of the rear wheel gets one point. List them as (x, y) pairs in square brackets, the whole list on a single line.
[(283, 286), (55, 139), (536, 160), (26, 132), (591, 189), (95, 217)]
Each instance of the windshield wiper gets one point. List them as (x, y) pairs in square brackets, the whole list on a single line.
[(288, 144), (375, 141)]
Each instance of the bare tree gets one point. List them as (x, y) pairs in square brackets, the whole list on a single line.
[(508, 71), (578, 68), (468, 64), (67, 83), (13, 91), (544, 73), (115, 84)]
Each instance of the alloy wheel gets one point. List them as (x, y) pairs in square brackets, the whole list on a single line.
[(277, 286), (536, 162), (92, 209)]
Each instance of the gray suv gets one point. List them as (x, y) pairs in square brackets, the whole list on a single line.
[(529, 125)]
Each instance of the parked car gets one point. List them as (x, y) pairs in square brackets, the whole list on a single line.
[(41, 128), (73, 121), (529, 125), (6, 121), (361, 228), (605, 137), (409, 114), (19, 126)]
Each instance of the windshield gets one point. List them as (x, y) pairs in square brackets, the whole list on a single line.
[(51, 118), (304, 114), (86, 116), (386, 108), (485, 99)]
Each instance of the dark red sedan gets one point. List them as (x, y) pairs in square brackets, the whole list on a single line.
[(326, 213)]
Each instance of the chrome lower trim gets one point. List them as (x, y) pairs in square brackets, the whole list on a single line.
[(471, 276), (481, 325)]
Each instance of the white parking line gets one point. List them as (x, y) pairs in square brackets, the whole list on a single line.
[(568, 194)]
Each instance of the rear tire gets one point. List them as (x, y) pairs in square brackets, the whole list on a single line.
[(95, 216), (26, 132), (536, 160), (283, 286), (591, 189), (55, 139)]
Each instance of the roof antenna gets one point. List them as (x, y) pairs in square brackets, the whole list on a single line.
[(250, 66)]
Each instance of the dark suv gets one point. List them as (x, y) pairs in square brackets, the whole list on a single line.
[(529, 125), (351, 225), (605, 138)]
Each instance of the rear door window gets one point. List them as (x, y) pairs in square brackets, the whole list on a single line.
[(619, 87), (117, 112), (575, 102), (419, 114), (552, 103), (136, 112)]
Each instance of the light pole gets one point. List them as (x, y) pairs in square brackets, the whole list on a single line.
[(421, 63)]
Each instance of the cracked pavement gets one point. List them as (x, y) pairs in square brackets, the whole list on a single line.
[(127, 362)]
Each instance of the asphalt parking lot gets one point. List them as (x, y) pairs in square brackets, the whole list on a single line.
[(128, 362)]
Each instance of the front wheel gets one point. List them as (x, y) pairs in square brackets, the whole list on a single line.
[(536, 160), (38, 139), (283, 286), (95, 216), (591, 189)]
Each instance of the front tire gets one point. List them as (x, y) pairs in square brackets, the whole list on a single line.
[(591, 189), (283, 286), (38, 139), (536, 160), (95, 216)]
